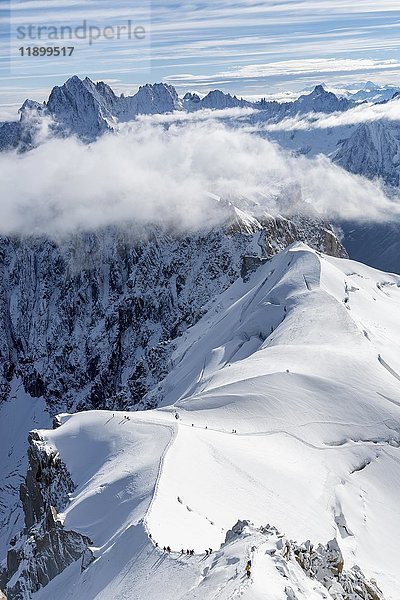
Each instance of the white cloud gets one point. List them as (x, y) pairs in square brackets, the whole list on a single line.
[(150, 173), (364, 113), (9, 112)]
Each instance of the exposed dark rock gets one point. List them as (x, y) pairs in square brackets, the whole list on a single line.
[(44, 548), (88, 322), (47, 482), (251, 264)]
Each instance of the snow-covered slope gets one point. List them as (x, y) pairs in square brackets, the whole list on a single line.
[(126, 291), (302, 361), (90, 322), (373, 150), (312, 142)]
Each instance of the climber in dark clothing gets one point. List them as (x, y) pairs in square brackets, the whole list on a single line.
[(168, 549), (248, 569)]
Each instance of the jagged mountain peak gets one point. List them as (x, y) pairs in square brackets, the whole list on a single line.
[(156, 98), (191, 96), (88, 109), (319, 90), (321, 100), (370, 86), (76, 86), (82, 108), (218, 100), (32, 105), (160, 87)]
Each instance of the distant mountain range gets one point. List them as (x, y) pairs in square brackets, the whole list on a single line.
[(87, 109), (372, 149)]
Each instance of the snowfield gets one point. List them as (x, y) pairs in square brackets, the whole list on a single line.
[(302, 361)]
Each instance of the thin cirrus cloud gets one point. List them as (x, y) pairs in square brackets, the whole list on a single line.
[(306, 67), (242, 47)]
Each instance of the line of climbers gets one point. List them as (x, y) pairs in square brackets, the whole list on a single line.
[(208, 552), (188, 552)]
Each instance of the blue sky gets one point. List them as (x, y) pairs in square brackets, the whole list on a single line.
[(247, 47)]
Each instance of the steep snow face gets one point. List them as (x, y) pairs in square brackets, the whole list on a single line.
[(268, 315), (304, 364), (373, 150), (282, 406), (91, 322)]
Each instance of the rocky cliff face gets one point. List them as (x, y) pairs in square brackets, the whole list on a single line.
[(88, 322), (373, 150), (324, 564), (44, 548)]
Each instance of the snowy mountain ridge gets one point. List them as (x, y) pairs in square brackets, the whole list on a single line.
[(285, 395), (91, 322)]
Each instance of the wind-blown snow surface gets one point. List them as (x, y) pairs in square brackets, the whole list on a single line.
[(303, 361)]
